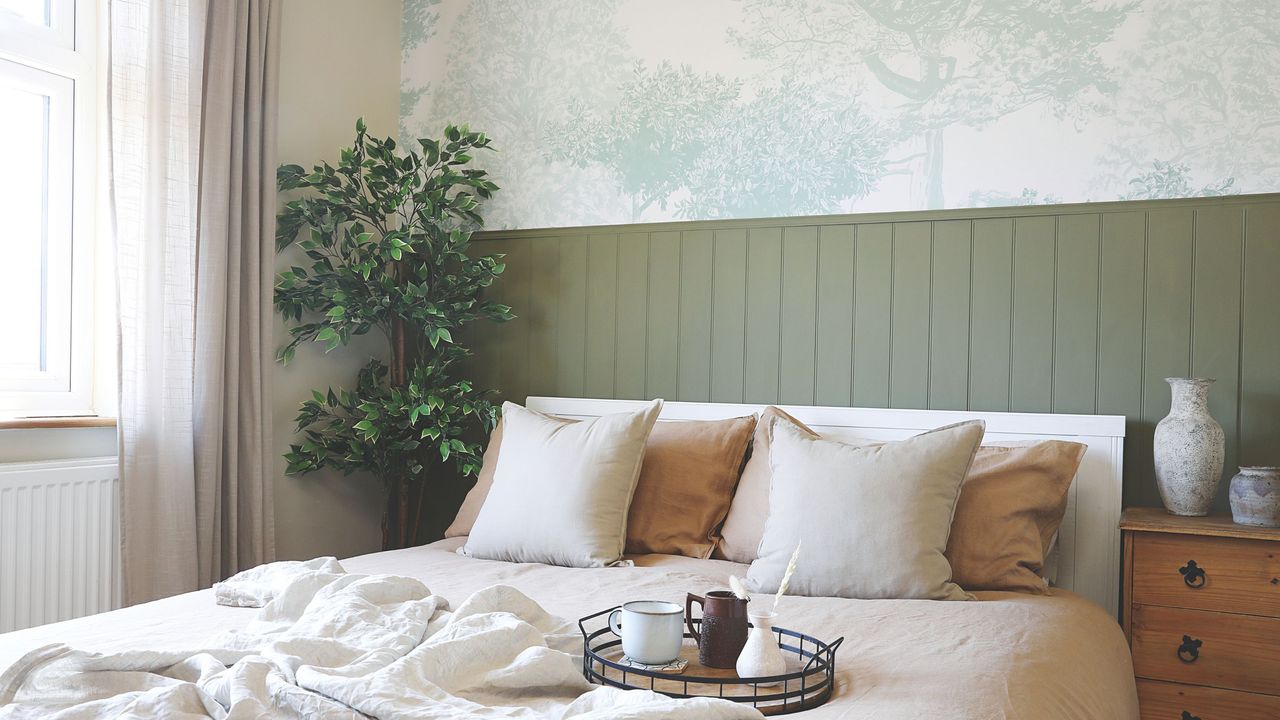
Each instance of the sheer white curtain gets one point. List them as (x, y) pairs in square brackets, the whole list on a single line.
[(195, 494)]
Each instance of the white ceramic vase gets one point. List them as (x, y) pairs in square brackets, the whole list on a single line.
[(1189, 449), (761, 656)]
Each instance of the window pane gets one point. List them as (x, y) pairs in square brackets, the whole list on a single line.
[(24, 234), (35, 11)]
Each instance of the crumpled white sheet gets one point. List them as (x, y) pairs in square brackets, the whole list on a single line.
[(334, 645)]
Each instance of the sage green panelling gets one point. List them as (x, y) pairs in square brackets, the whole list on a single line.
[(909, 315), (1260, 344), (1077, 308), (872, 306), (949, 315), (697, 272), (1167, 331), (728, 315), (799, 315), (602, 315), (991, 314), (1031, 365), (764, 315), (1075, 332), (833, 357), (633, 315), (662, 357)]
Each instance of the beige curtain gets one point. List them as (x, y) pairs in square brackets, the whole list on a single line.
[(191, 94)]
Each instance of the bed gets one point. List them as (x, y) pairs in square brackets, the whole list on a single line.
[(1008, 655)]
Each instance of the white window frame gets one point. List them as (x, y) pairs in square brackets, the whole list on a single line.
[(66, 48)]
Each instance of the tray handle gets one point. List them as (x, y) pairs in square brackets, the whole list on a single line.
[(582, 622), (830, 653)]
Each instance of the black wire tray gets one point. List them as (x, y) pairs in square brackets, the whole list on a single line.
[(808, 683)]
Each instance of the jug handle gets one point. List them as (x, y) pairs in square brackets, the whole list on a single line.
[(689, 600)]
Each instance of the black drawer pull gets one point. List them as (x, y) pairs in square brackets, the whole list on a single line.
[(1192, 575), (1189, 650), (1188, 716)]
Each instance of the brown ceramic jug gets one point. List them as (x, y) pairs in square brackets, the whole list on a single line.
[(724, 627)]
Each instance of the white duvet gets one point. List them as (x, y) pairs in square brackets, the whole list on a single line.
[(328, 644)]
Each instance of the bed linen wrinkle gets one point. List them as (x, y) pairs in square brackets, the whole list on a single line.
[(1006, 656)]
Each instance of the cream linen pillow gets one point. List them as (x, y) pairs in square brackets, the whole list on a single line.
[(874, 520), (561, 489), (744, 525), (471, 504)]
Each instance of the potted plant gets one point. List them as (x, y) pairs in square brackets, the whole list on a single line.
[(387, 239)]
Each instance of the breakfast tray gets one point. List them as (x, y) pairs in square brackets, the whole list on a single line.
[(808, 682)]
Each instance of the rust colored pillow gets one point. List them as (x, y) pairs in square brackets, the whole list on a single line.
[(1010, 506), (686, 485)]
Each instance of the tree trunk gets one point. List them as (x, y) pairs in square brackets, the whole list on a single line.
[(398, 495)]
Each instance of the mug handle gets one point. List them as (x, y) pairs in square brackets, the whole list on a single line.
[(689, 600), (615, 623)]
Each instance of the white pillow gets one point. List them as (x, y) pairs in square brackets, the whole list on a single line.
[(561, 489), (874, 521)]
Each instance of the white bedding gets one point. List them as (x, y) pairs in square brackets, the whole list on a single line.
[(1007, 655)]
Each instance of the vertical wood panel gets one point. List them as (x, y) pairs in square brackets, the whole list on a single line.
[(764, 295), (1031, 366), (602, 306), (833, 371), (1123, 279), (991, 318), (1215, 319), (1075, 340), (872, 311), (513, 383), (909, 337), (800, 311), (486, 340), (1260, 361), (662, 360), (696, 268), (633, 316), (544, 302), (729, 315), (571, 323), (1167, 333), (949, 315)]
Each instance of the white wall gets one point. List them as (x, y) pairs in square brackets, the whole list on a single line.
[(339, 59)]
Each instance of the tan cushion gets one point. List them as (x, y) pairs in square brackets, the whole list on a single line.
[(744, 525), (471, 504), (561, 489), (686, 485), (873, 520), (1010, 508)]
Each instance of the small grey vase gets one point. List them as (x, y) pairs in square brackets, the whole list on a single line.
[(1255, 497), (1189, 449)]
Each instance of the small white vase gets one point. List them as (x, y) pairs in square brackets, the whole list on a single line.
[(761, 656), (1189, 449)]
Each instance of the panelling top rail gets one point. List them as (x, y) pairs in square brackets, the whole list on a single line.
[(1088, 549)]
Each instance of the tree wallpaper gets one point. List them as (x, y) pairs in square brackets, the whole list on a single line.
[(617, 111)]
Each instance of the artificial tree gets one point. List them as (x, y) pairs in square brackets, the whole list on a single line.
[(387, 237)]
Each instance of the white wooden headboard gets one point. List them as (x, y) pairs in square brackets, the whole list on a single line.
[(1088, 554)]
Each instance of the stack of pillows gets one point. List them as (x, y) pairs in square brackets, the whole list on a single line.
[(930, 517)]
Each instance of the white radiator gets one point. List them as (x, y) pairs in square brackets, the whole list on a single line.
[(59, 540)]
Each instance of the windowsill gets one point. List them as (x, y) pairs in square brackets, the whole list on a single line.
[(51, 423)]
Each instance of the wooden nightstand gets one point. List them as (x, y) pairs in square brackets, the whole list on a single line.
[(1201, 609)]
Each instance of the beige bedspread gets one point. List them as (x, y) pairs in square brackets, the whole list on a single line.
[(1005, 656)]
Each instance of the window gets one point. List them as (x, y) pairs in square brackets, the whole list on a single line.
[(47, 186)]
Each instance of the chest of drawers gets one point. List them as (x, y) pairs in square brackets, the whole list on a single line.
[(1201, 609)]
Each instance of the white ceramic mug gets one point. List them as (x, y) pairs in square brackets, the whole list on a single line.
[(651, 630)]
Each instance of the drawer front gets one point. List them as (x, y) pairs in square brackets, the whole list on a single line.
[(1167, 701), (1237, 652), (1207, 573)]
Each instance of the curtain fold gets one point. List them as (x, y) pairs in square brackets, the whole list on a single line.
[(191, 106)]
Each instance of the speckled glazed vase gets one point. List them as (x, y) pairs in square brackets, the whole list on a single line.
[(1255, 496), (1189, 449)]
